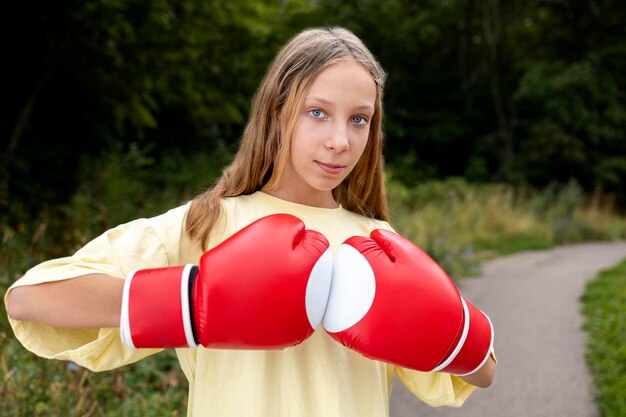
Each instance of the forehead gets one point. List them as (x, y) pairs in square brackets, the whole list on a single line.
[(342, 82)]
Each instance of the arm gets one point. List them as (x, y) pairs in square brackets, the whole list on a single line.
[(84, 290), (484, 376), (73, 291), (88, 301)]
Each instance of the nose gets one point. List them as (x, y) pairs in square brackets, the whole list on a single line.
[(338, 138)]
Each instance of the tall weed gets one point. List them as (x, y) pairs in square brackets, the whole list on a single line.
[(458, 223)]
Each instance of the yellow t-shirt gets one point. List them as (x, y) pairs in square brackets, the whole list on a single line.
[(317, 378)]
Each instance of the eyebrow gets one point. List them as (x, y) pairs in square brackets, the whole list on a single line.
[(323, 100)]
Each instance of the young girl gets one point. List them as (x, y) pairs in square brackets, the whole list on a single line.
[(312, 149)]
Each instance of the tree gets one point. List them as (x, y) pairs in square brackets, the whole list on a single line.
[(85, 76)]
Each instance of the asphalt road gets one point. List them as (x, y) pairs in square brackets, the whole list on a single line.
[(533, 299)]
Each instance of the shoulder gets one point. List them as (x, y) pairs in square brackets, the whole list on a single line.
[(167, 227), (157, 237), (171, 224)]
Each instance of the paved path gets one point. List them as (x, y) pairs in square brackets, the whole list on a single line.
[(533, 301)]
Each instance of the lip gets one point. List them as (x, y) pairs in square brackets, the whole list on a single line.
[(330, 168)]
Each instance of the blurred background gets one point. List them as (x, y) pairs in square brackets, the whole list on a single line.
[(505, 130)]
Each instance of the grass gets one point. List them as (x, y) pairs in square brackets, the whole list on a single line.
[(33, 386), (604, 307)]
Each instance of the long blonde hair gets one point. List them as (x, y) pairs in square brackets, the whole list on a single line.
[(264, 149)]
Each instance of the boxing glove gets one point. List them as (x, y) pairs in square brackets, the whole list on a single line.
[(391, 302), (265, 287)]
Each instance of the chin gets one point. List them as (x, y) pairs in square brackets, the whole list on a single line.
[(326, 187)]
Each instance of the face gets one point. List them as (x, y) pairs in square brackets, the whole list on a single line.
[(330, 134)]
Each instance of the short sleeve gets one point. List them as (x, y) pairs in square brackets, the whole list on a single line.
[(435, 388), (143, 243)]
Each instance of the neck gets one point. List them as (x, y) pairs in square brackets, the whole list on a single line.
[(319, 199)]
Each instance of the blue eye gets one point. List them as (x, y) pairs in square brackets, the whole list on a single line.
[(359, 120), (317, 113)]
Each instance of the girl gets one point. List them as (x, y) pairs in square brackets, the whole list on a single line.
[(312, 148)]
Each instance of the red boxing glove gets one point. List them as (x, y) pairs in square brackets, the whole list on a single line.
[(265, 287), (391, 302)]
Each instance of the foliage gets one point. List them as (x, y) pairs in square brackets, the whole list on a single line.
[(526, 92), (88, 77), (604, 307), (121, 186), (578, 125), (459, 223), (33, 386), (522, 92)]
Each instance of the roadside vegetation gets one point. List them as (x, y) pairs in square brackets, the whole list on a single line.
[(460, 224), (604, 307)]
